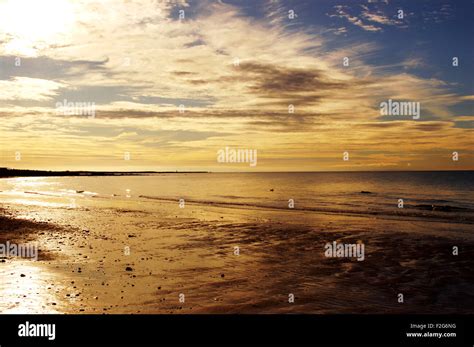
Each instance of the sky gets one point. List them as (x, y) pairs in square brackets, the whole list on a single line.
[(165, 85)]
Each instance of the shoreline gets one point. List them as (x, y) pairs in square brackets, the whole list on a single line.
[(12, 173)]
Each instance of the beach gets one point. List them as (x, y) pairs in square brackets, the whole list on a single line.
[(131, 252)]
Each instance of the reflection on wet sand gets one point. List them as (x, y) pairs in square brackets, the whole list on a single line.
[(26, 288)]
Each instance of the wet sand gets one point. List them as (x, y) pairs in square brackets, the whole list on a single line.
[(83, 266)]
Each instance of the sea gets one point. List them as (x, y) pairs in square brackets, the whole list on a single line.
[(435, 194)]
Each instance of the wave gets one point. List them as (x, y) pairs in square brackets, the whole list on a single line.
[(447, 211), (441, 212), (63, 193)]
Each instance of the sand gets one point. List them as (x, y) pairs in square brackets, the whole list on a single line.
[(83, 265)]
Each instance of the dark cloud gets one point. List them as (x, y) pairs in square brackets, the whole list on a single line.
[(432, 126), (274, 80), (279, 85), (183, 73), (198, 42), (197, 81), (467, 124), (405, 124), (379, 125), (49, 69)]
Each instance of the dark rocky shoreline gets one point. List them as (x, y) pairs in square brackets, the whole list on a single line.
[(6, 172)]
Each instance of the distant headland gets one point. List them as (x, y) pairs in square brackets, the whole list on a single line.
[(7, 172)]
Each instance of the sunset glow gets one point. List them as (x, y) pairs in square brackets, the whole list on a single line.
[(172, 83)]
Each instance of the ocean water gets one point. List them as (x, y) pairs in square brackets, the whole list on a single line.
[(444, 195)]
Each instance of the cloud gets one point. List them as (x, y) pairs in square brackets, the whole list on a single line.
[(342, 12), (138, 62), (25, 88), (376, 15), (372, 18), (341, 30), (438, 15)]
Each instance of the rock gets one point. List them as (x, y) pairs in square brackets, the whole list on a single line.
[(128, 268), (365, 192), (22, 275)]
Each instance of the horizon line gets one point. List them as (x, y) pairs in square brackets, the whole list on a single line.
[(209, 171)]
